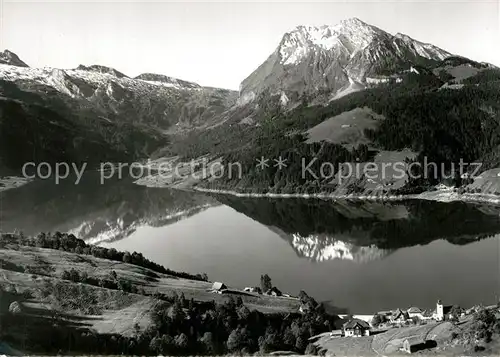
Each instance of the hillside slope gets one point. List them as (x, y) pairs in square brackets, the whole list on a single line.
[(424, 116), (96, 113), (59, 295)]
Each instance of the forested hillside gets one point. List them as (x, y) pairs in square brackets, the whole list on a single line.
[(443, 124)]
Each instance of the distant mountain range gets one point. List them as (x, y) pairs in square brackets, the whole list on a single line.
[(151, 99), (96, 113), (391, 93)]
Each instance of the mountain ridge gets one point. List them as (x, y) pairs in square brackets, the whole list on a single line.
[(330, 58), (99, 107)]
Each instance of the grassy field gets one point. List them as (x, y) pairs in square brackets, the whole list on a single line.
[(31, 281), (385, 343), (392, 340), (50, 307), (347, 346), (346, 129), (52, 263), (112, 311)]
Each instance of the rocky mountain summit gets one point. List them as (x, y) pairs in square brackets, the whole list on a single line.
[(10, 58), (332, 59)]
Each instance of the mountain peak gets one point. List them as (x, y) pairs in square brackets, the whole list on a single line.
[(345, 38), (353, 21), (334, 58), (10, 58), (101, 69)]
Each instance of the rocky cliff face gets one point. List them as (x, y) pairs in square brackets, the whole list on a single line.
[(333, 59), (10, 58)]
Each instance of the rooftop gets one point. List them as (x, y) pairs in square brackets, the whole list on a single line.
[(352, 324)]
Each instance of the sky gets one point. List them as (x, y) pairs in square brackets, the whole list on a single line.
[(220, 44)]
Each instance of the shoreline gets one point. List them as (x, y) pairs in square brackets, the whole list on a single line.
[(445, 195), (439, 195), (331, 196)]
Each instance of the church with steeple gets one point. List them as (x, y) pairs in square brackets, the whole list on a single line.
[(442, 312)]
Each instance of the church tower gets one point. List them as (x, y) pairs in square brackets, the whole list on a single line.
[(439, 311)]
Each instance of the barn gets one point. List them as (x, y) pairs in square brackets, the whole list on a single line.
[(218, 286)]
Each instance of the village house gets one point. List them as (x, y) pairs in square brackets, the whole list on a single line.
[(415, 312), (387, 314), (356, 328), (427, 314), (304, 308), (256, 290), (399, 316)]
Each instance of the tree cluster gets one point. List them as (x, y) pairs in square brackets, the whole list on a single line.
[(69, 243), (110, 282), (186, 327)]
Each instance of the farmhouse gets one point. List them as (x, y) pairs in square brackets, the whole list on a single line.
[(415, 312), (415, 344), (304, 308), (218, 287), (356, 328), (256, 290)]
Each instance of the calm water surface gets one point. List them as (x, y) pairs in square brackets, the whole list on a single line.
[(363, 257), (236, 249)]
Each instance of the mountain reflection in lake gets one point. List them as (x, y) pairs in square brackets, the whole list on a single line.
[(361, 256), (364, 257), (93, 211)]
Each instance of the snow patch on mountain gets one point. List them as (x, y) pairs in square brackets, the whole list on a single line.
[(166, 81), (246, 98), (62, 79), (349, 37), (351, 88), (284, 99), (101, 69)]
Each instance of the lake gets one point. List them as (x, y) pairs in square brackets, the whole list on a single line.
[(361, 257)]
